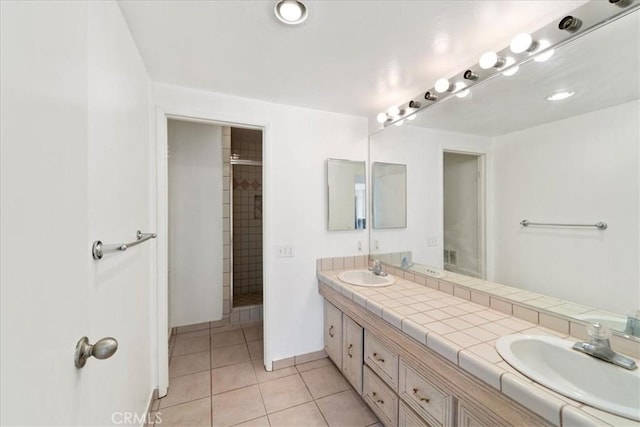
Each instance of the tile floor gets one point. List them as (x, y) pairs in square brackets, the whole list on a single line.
[(217, 378)]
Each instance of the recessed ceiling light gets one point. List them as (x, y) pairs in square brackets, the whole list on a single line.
[(291, 12), (559, 96)]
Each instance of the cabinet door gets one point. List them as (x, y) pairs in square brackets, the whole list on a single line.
[(352, 352), (333, 333), (408, 418)]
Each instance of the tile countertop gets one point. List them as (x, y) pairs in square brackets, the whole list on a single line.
[(465, 333)]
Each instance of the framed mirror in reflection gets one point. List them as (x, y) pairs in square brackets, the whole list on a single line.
[(346, 183), (557, 144)]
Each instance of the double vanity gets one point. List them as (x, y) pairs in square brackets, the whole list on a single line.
[(423, 352)]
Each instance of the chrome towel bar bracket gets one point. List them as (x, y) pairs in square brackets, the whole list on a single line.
[(98, 249), (599, 225)]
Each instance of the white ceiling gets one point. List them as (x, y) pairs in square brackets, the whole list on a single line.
[(355, 57)]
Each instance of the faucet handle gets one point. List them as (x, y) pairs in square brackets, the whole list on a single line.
[(598, 331)]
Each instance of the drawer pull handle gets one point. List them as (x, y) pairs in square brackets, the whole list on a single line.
[(422, 399), (380, 401), (379, 359), (349, 350), (331, 331)]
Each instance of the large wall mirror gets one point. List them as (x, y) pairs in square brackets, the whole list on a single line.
[(346, 195), (556, 144)]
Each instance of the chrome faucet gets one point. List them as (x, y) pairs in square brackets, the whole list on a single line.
[(376, 268), (633, 324), (405, 264), (601, 348)]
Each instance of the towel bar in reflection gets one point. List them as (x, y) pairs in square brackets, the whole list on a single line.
[(599, 225), (99, 249)]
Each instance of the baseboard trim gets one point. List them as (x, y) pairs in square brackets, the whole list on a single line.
[(298, 360)]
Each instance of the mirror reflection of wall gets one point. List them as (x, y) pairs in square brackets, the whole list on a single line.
[(346, 184), (572, 161), (389, 195)]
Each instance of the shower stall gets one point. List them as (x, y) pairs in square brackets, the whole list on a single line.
[(245, 172)]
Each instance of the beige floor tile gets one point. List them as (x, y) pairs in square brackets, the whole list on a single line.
[(192, 334), (320, 363), (230, 355), (232, 377), (346, 409), (191, 414), (228, 338), (258, 422), (190, 345), (237, 406), (284, 393), (255, 349), (253, 333), (263, 376), (189, 364), (307, 415), (186, 388), (324, 381), (226, 328)]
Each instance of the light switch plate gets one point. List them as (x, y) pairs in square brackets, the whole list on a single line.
[(284, 251)]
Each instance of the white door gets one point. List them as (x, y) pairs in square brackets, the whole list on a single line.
[(74, 168)]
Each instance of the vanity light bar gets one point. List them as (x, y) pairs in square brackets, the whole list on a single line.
[(539, 46)]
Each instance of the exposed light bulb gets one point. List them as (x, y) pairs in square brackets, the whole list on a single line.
[(381, 118), (543, 44), (489, 60), (442, 85), (559, 96), (522, 43), (399, 122), (393, 111), (412, 117), (509, 61), (460, 89)]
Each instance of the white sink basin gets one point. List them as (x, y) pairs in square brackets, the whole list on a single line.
[(365, 278), (551, 362)]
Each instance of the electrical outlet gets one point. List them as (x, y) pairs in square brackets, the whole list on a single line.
[(432, 241), (284, 251)]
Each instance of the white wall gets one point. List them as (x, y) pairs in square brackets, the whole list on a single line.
[(590, 174), (75, 168), (421, 150), (195, 222), (297, 143)]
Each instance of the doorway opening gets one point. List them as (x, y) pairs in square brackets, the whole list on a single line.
[(464, 221), (245, 161)]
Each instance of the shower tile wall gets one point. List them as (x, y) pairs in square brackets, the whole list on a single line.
[(247, 218)]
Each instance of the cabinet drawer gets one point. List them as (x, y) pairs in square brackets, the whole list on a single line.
[(382, 400), (333, 333), (408, 418), (352, 334), (381, 360), (427, 400)]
